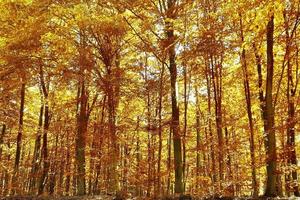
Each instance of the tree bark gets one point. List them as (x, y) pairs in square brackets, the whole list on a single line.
[(177, 141), (212, 149), (20, 131), (82, 122), (2, 139), (160, 127), (268, 116), (46, 162), (291, 96), (216, 76), (37, 148), (249, 113), (198, 164)]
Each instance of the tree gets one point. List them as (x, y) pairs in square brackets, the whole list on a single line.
[(268, 114)]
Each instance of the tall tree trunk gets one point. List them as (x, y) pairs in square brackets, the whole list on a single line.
[(15, 177), (249, 113), (268, 115), (54, 167), (160, 127), (60, 186), (217, 88), (177, 141), (230, 188), (2, 174), (169, 160), (20, 131), (138, 159), (149, 135), (2, 139), (212, 149), (37, 148), (198, 164), (82, 123), (111, 95), (185, 125), (68, 167), (96, 189), (46, 162), (175, 123), (291, 119)]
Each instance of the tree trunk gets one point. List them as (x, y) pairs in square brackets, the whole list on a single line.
[(149, 146), (177, 140), (2, 139), (54, 167), (230, 188), (37, 148), (291, 118), (160, 127), (46, 164), (138, 159), (249, 113), (198, 164), (20, 131), (82, 123), (111, 95), (169, 160), (175, 122), (15, 177), (217, 88), (2, 174), (268, 115), (212, 151), (68, 167), (185, 126)]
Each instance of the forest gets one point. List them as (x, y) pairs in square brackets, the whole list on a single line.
[(149, 99)]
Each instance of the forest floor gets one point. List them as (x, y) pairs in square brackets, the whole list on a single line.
[(107, 197)]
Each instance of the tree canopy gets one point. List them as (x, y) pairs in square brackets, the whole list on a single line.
[(149, 98)]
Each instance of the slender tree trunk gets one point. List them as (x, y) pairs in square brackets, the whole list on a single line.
[(177, 140), (37, 148), (68, 167), (198, 164), (291, 119), (184, 126), (138, 159), (160, 127), (15, 178), (62, 164), (270, 141), (20, 131), (229, 162), (249, 113), (169, 160), (2, 174), (114, 177), (46, 162), (149, 146), (2, 139), (82, 122), (96, 189), (212, 151), (54, 169), (216, 80)]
